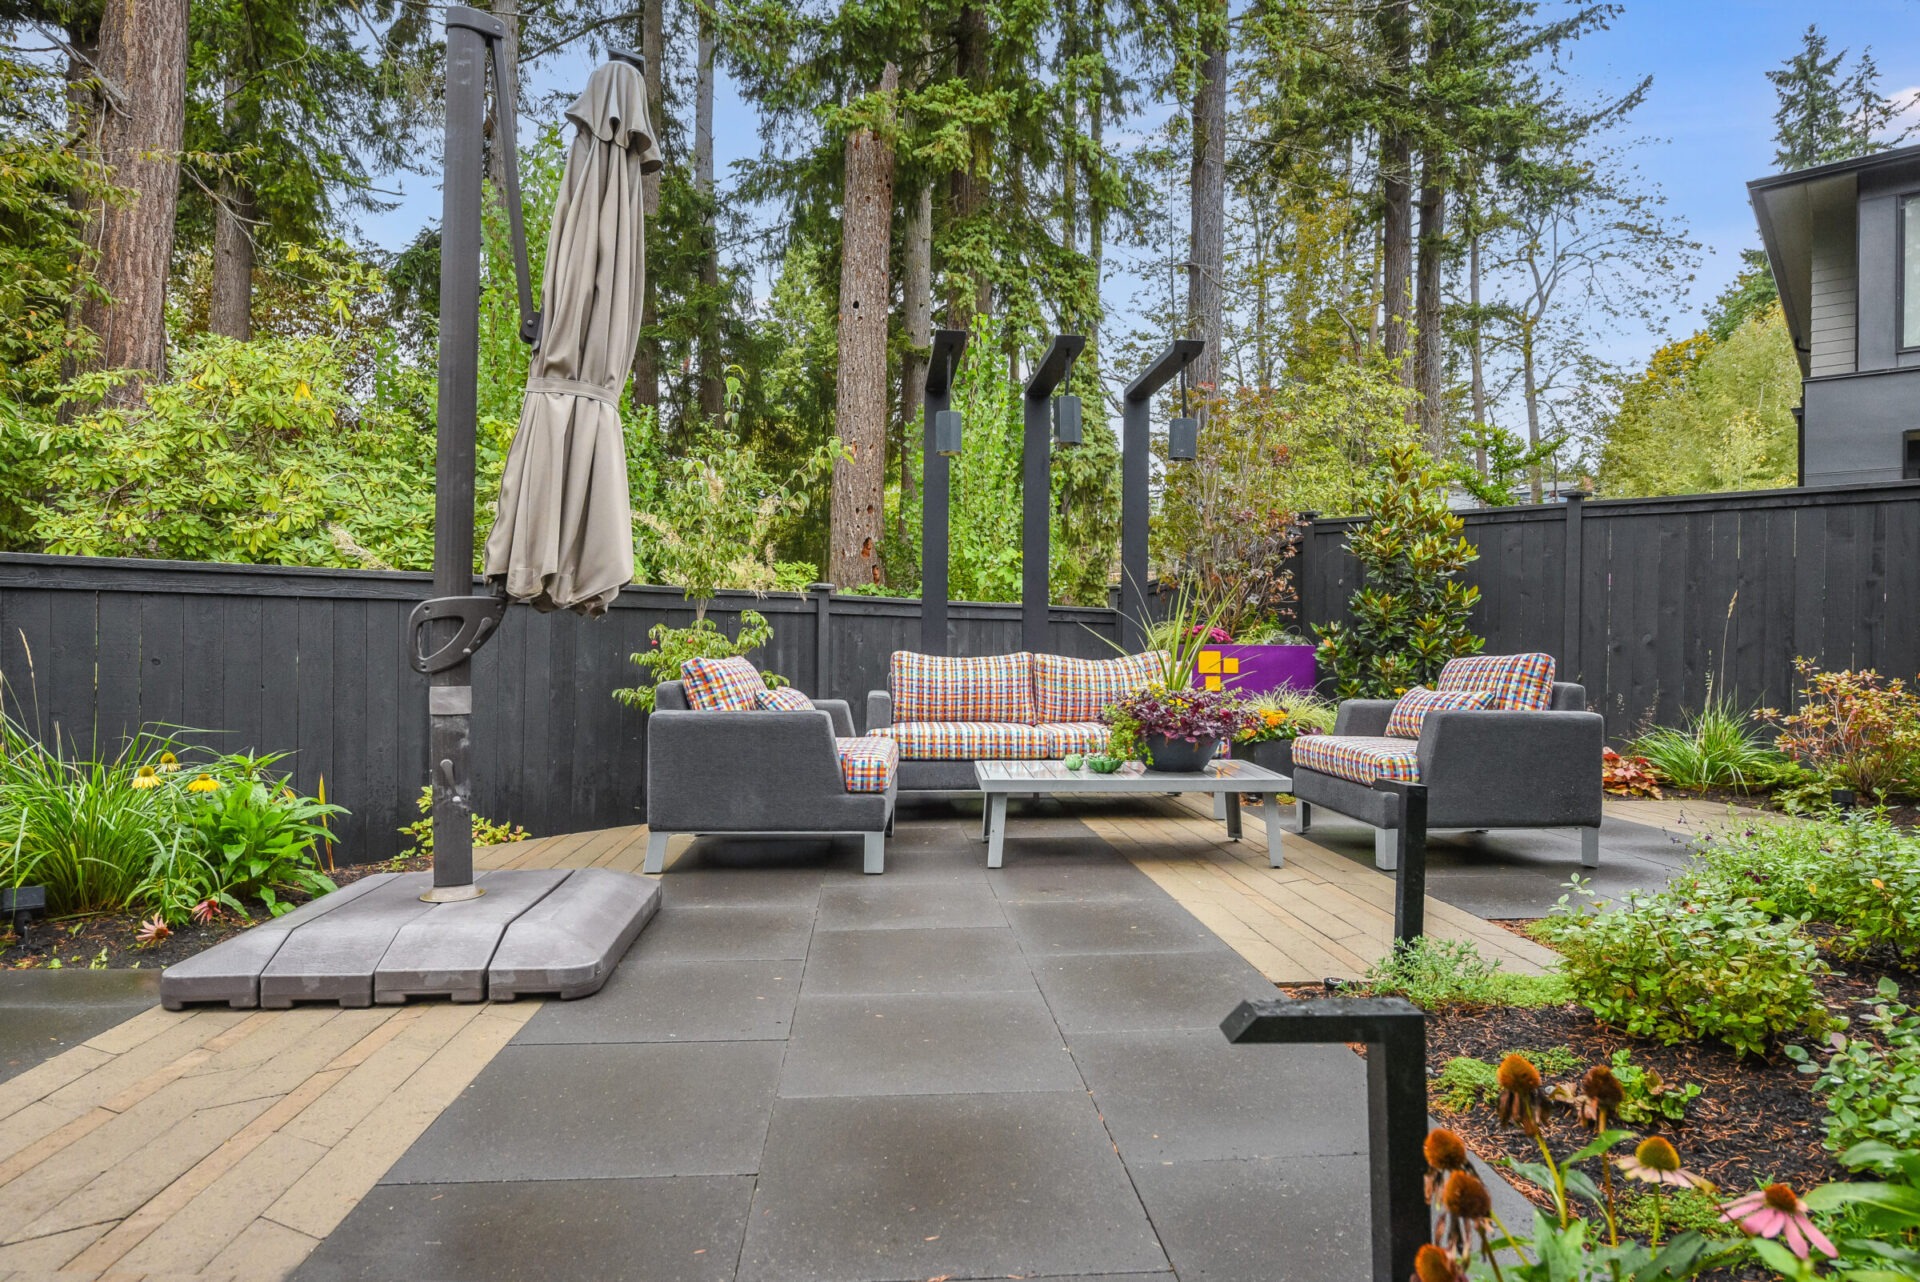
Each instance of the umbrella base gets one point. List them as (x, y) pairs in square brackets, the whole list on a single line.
[(453, 894), (536, 933)]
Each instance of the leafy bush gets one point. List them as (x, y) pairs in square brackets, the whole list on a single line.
[(702, 639), (1410, 613), (1679, 968), (1645, 1096), (1714, 749), (485, 831), (257, 835), (1854, 730), (1432, 973), (1871, 1082), (1627, 776)]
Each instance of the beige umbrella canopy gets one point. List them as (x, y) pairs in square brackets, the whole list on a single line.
[(562, 534)]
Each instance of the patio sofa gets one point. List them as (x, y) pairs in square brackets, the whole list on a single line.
[(725, 754), (1498, 743), (947, 713)]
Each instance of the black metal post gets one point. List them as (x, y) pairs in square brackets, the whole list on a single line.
[(1036, 489), (450, 693), (1135, 406), (948, 344), (1394, 1031), (822, 594), (1410, 863)]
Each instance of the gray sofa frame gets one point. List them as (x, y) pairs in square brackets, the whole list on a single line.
[(1482, 770), (766, 773)]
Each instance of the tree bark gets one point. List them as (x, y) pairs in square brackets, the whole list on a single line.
[(136, 132), (1476, 348), (969, 184), (1207, 203), (1096, 214), (1429, 342), (646, 356), (1396, 183), (916, 291), (860, 406), (508, 11), (712, 383), (230, 307)]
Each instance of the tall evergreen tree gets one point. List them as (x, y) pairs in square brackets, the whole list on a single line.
[(1829, 110)]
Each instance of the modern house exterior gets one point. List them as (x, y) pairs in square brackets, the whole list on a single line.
[(1844, 243)]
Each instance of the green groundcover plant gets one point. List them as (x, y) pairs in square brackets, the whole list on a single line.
[(1871, 1081), (1435, 973)]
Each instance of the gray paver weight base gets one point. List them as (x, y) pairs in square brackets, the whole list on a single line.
[(535, 933)]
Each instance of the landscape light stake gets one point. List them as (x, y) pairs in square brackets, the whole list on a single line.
[(1410, 876), (1036, 488), (948, 344), (1135, 476), (1394, 1031)]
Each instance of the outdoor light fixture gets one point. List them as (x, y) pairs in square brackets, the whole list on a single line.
[(946, 423), (1183, 433), (1066, 412)]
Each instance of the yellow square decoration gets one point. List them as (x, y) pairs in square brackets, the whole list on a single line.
[(1213, 683), (1210, 662), (1231, 667)]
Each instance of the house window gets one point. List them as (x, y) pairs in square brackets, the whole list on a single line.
[(1910, 457), (1910, 271)]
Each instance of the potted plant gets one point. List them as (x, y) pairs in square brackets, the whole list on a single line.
[(1274, 720), (1176, 729)]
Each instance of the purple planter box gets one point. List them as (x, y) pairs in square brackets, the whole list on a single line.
[(1256, 669)]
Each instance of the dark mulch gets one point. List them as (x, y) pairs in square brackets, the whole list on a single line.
[(107, 940)]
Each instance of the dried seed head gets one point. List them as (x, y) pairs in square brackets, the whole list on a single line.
[(1466, 1197), (1518, 1074), (1602, 1087), (1431, 1264), (1445, 1151)]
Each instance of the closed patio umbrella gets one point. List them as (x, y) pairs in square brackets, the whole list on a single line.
[(562, 535)]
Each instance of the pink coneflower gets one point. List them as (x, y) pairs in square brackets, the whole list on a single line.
[(1774, 1210)]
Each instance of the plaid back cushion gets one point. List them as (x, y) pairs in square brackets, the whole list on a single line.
[(1411, 712), (934, 687), (1518, 682), (785, 699), (722, 685), (1080, 689)]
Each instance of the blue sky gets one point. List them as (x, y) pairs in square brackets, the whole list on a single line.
[(1707, 124)]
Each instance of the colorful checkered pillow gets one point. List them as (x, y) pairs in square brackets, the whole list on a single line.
[(1411, 712), (722, 685), (934, 687), (785, 699), (1080, 689), (1518, 682)]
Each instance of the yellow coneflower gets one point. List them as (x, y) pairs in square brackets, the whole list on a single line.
[(146, 777), (169, 762), (204, 783)]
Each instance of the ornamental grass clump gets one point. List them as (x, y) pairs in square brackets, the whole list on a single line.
[(1675, 967), (1716, 748)]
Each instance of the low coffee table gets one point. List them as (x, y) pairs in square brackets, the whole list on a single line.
[(1002, 779)]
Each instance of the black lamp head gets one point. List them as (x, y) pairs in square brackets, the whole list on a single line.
[(946, 433), (1066, 419), (1183, 439)]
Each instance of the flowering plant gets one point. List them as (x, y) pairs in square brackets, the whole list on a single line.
[(1856, 730), (1627, 776), (1197, 716)]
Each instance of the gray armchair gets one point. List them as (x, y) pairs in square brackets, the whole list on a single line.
[(1481, 769), (762, 773)]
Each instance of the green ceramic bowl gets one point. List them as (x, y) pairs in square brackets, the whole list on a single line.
[(1103, 765), (1073, 761)]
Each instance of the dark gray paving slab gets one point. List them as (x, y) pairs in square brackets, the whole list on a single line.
[(956, 959), (1188, 1096), (1109, 926), (877, 905), (1126, 992), (230, 971), (754, 932), (663, 1230), (1063, 881), (737, 887), (918, 1044), (1260, 1221), (601, 1112), (922, 1186), (44, 1012), (907, 862), (446, 952), (721, 852), (677, 1001)]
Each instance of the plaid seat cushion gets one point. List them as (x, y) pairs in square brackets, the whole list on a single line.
[(1411, 712), (722, 685), (868, 763), (1360, 758), (1080, 689), (1075, 736), (785, 699), (934, 687), (1519, 682), (969, 741)]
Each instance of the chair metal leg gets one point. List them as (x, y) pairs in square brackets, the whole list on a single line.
[(1270, 815), (876, 852), (1589, 847), (657, 851), (1386, 850), (1306, 814)]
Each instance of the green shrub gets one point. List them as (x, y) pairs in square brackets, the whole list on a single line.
[(485, 831), (1715, 749), (1679, 968), (702, 639), (1871, 1082), (1855, 730), (257, 835), (1432, 973)]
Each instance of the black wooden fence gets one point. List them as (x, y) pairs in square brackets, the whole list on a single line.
[(1648, 601), (314, 662)]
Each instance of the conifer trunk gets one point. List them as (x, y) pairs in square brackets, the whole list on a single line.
[(916, 289), (860, 405), (1396, 186), (646, 362), (1429, 341), (712, 383), (230, 307), (1207, 205)]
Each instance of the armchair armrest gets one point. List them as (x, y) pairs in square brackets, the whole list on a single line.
[(879, 709), (1512, 769), (740, 771), (1363, 716), (842, 715)]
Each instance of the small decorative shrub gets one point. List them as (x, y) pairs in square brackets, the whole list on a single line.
[(1715, 749), (485, 831), (702, 639), (1196, 716), (1287, 714), (1627, 776), (1645, 1097), (1677, 968), (1855, 730), (1871, 1082), (1410, 614)]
